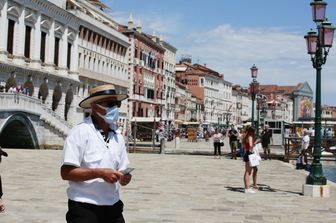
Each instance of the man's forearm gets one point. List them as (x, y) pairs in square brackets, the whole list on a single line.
[(73, 173)]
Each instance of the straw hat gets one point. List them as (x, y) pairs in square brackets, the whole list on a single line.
[(106, 91)]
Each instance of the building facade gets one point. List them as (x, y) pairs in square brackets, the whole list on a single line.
[(288, 103), (328, 112), (145, 75), (208, 86), (38, 64), (102, 53), (169, 81), (180, 104)]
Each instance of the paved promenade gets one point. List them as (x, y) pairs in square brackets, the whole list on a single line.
[(167, 188)]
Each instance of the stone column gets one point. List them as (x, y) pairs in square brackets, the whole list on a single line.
[(74, 58), (50, 47), (63, 53), (19, 39), (4, 28), (36, 44)]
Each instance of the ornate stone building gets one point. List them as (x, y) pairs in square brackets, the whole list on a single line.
[(102, 52), (51, 54), (38, 61)]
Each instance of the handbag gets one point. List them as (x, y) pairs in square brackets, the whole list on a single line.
[(255, 158)]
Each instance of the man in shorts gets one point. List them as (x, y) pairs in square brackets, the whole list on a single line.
[(266, 138), (233, 139)]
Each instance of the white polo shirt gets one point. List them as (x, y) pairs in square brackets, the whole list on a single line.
[(305, 142), (85, 147)]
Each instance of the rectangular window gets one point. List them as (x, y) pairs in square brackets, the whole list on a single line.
[(135, 53), (43, 46), (202, 82), (139, 110), (69, 56), (10, 36), (56, 51), (27, 42)]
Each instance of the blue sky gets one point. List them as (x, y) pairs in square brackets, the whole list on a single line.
[(232, 35)]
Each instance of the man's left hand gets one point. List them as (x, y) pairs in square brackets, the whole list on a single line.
[(125, 179)]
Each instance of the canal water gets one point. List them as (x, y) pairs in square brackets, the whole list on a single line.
[(329, 172)]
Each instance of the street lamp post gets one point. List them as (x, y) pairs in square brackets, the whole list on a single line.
[(258, 111), (254, 88), (318, 45)]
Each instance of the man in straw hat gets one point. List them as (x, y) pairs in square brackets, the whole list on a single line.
[(94, 161)]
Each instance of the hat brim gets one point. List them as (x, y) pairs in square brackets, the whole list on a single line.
[(86, 103)]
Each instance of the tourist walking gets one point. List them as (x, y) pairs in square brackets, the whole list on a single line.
[(233, 139), (217, 143), (94, 158), (304, 148), (249, 142), (2, 203), (266, 139)]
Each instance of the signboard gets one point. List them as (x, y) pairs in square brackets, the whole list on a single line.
[(306, 107)]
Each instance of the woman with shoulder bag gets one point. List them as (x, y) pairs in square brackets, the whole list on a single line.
[(248, 143)]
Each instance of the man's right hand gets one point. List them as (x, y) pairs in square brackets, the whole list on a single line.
[(110, 175)]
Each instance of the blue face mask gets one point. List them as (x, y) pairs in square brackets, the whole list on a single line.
[(111, 116)]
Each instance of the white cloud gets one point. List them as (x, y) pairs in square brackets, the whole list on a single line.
[(280, 56), (166, 25)]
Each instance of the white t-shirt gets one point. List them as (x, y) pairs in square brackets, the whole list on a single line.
[(217, 137), (85, 147), (305, 142)]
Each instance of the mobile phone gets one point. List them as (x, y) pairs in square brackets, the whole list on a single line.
[(127, 170)]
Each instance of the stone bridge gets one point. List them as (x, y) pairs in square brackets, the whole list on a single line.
[(25, 122)]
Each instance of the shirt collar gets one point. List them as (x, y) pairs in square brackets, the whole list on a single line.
[(98, 127)]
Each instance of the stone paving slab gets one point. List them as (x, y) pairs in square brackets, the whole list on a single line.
[(167, 188)]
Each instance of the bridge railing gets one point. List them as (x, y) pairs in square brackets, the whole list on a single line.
[(24, 103)]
